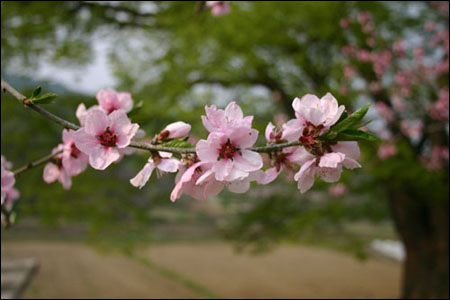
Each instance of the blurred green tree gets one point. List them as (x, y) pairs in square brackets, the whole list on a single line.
[(177, 57)]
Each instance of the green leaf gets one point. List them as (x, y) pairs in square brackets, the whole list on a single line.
[(352, 120), (36, 92), (178, 143), (136, 108), (44, 99), (356, 135), (362, 124)]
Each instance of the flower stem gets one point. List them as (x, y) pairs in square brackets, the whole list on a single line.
[(139, 145)]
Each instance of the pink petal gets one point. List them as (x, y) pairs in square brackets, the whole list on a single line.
[(233, 112), (81, 113), (305, 176), (269, 129), (85, 142), (331, 160), (222, 169), (96, 122), (240, 186), (178, 130), (75, 166), (236, 174), (186, 177), (350, 163), (212, 188), (65, 180), (8, 179), (249, 161), (123, 140), (51, 173), (205, 152), (204, 177), (108, 100), (292, 130), (330, 174), (350, 149), (125, 101), (300, 155), (269, 176), (68, 136), (143, 176), (244, 137), (169, 165), (102, 157)]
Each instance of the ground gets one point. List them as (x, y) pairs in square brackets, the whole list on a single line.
[(201, 270)]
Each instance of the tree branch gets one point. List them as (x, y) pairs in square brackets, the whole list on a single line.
[(145, 146), (36, 163)]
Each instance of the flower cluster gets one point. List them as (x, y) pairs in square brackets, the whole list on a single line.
[(407, 81), (307, 145), (8, 193), (226, 159)]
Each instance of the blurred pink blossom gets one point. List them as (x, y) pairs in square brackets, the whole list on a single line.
[(337, 190), (387, 150)]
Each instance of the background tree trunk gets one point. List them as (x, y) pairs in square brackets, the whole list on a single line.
[(423, 226)]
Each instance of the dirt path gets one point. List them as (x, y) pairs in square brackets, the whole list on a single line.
[(191, 270)]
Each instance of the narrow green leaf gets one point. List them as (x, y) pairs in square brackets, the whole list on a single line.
[(178, 143), (44, 99), (36, 92), (356, 135), (362, 124), (352, 120)]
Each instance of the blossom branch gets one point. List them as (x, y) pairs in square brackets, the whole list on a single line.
[(36, 163), (139, 145)]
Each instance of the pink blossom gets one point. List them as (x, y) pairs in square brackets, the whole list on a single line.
[(8, 193), (418, 52), (55, 170), (338, 190), (175, 130), (162, 161), (387, 150), (371, 42), (285, 158), (225, 120), (73, 160), (328, 166), (375, 87), (186, 182), (323, 112), (110, 100), (228, 154), (398, 103), (430, 26), (364, 16), (349, 72), (439, 109), (412, 128), (348, 50), (102, 136), (385, 111), (218, 8), (363, 55), (344, 23), (399, 48), (439, 154)]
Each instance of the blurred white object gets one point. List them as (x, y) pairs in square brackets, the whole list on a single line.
[(390, 248)]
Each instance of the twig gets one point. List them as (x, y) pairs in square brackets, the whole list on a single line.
[(145, 146), (35, 163)]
